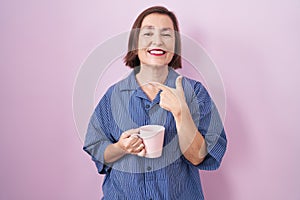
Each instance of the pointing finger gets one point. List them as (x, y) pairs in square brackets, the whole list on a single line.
[(159, 85)]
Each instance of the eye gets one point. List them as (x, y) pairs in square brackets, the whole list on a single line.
[(166, 35), (147, 34)]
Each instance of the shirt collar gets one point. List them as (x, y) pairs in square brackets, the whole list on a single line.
[(130, 82)]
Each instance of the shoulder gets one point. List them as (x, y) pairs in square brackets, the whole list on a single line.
[(123, 84), (115, 90), (197, 87)]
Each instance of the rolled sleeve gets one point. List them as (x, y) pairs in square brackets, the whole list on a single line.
[(216, 149), (97, 136), (211, 127)]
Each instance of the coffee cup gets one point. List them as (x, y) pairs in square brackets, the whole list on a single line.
[(153, 139)]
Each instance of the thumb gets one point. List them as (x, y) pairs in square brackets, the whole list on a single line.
[(130, 132), (179, 83), (133, 131)]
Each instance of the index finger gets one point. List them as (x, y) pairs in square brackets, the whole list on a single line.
[(159, 85)]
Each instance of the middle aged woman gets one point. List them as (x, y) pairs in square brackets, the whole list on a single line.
[(155, 94)]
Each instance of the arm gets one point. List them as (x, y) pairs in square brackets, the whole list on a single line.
[(191, 142), (127, 144), (100, 146)]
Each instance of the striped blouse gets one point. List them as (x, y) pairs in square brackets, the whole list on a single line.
[(125, 106)]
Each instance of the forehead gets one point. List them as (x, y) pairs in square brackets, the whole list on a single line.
[(157, 20)]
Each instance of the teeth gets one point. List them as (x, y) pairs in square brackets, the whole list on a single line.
[(157, 52)]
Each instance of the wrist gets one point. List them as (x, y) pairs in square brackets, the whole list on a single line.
[(180, 112), (119, 148)]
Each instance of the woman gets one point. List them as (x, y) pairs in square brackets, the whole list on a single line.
[(155, 94)]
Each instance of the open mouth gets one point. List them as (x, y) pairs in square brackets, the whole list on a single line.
[(156, 52)]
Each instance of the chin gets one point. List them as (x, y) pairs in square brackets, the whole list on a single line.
[(156, 65)]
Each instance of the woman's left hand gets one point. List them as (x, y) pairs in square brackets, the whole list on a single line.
[(172, 99)]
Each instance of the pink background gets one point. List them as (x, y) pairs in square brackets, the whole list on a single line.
[(255, 45)]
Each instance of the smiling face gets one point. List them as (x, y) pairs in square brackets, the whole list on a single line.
[(156, 42)]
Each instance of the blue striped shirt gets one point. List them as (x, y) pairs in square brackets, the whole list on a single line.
[(125, 106)]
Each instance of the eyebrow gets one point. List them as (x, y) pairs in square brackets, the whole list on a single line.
[(148, 27), (166, 29), (152, 28)]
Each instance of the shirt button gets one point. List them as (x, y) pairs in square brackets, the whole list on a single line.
[(147, 106), (149, 168)]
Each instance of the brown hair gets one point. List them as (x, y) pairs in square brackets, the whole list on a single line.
[(131, 59)]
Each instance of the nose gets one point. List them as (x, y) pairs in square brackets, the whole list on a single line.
[(157, 40)]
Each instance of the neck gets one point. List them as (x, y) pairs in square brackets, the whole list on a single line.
[(152, 74)]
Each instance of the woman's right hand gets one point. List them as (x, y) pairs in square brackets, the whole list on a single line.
[(131, 143)]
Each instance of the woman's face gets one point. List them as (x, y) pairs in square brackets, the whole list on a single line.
[(156, 42)]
